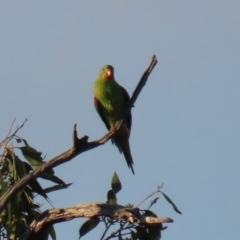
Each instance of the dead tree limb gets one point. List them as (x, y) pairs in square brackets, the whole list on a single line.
[(90, 210), (138, 89), (79, 145)]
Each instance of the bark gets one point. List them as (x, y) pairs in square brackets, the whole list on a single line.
[(89, 210)]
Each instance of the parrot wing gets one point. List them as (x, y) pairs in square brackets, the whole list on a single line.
[(122, 142), (99, 108), (129, 116)]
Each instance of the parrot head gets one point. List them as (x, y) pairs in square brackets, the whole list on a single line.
[(107, 72)]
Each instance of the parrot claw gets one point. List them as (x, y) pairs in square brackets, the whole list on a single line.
[(113, 129)]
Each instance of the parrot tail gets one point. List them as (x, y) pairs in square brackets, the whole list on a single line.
[(124, 147)]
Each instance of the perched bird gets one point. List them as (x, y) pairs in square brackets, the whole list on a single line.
[(110, 100)]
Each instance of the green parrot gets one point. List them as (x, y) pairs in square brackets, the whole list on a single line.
[(110, 100)]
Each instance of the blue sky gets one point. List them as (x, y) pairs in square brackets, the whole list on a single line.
[(185, 130)]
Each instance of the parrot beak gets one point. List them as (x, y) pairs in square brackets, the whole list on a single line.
[(108, 74)]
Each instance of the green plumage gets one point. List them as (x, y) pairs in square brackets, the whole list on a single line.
[(109, 93), (110, 101)]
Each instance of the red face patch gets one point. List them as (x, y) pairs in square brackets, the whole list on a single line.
[(107, 74)]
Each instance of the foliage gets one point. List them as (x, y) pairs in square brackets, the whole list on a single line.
[(22, 209), (133, 231)]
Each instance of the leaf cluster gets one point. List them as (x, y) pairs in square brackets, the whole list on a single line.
[(130, 230), (22, 209)]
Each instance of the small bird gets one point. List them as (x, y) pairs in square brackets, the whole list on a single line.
[(110, 100)]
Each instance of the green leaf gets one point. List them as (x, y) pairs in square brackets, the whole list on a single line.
[(35, 159), (149, 213), (32, 156), (28, 167), (5, 166), (3, 185), (154, 201), (88, 226), (171, 202), (9, 210), (25, 142), (20, 167), (36, 187), (19, 140), (53, 178), (26, 202), (111, 197), (52, 232), (10, 157), (116, 184), (57, 187)]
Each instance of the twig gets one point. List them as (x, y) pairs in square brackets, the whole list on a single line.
[(18, 128), (105, 231), (10, 130), (118, 231), (10, 136), (151, 194)]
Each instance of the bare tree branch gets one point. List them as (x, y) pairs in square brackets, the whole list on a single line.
[(79, 145), (89, 210), (139, 88)]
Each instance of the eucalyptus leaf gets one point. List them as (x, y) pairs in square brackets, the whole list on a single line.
[(20, 167), (149, 213), (10, 157), (53, 178), (88, 226), (32, 156), (116, 184), (28, 167), (171, 202), (56, 187), (36, 187), (35, 159), (3, 185), (154, 201), (52, 232), (111, 197)]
